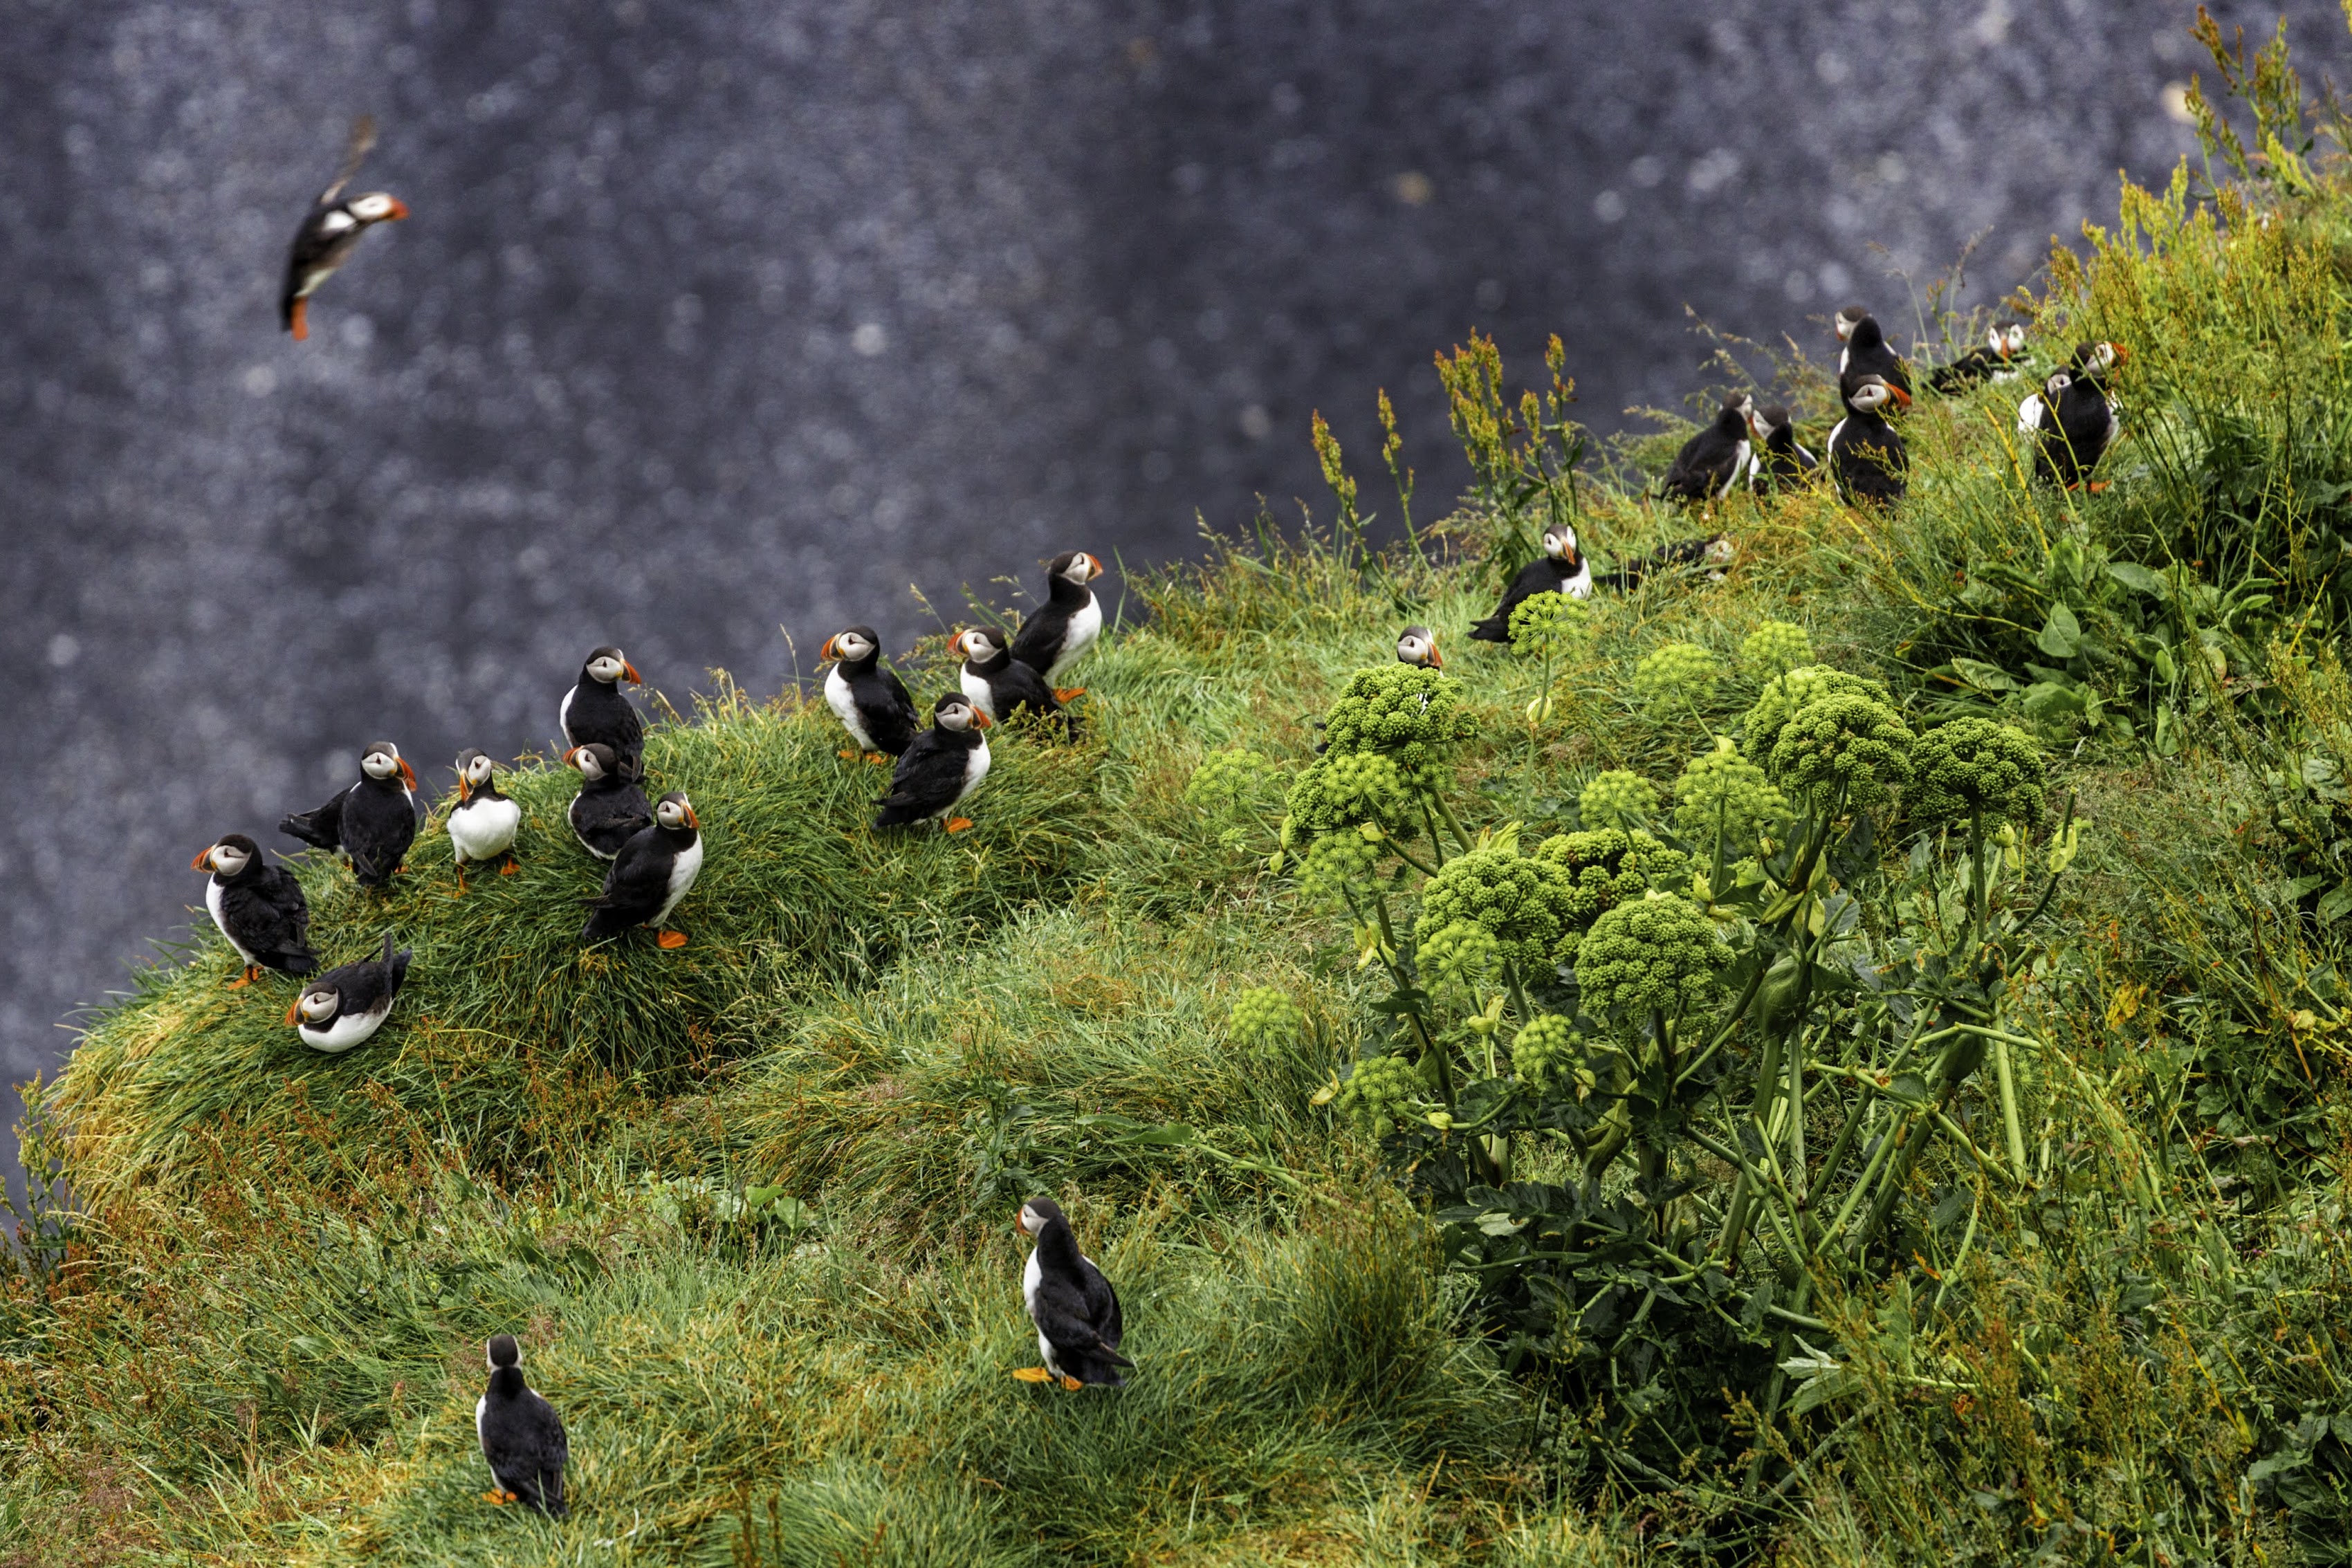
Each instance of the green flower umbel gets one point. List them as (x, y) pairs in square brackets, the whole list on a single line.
[(1774, 648), (1549, 626), (1658, 953), (1526, 905), (1974, 765), (1617, 799), (1545, 1053), (1847, 741), (1724, 787), (1675, 672), (1263, 1017), (1414, 716), (1379, 1092), (1784, 695), (1607, 867)]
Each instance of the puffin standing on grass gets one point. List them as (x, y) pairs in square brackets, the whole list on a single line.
[(332, 232), (1054, 635), (1417, 646), (1867, 353), (1000, 685), (1711, 462), (2070, 421), (344, 1008), (259, 907), (1867, 457), (1777, 459), (372, 823), (611, 808), (594, 713), (521, 1435), (649, 876), (1074, 1307), (870, 701), (483, 823), (1561, 568), (945, 764), (1995, 361)]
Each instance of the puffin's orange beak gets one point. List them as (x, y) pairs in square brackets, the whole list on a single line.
[(465, 791), (201, 856), (568, 752), (1095, 565), (828, 654), (629, 673), (692, 820), (294, 1012), (1436, 659), (957, 646), (399, 211), (980, 719), (408, 773), (2122, 354), (1902, 398)]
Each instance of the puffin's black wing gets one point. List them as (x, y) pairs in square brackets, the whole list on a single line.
[(635, 885), (1039, 640), (899, 722), (1102, 1304), (322, 828), (927, 779), (527, 1451), (1541, 575), (271, 918), (1970, 370), (379, 824)]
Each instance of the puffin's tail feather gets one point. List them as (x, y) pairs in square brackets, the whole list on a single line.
[(303, 825), (1491, 630)]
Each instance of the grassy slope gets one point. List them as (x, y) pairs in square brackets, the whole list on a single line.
[(264, 1344)]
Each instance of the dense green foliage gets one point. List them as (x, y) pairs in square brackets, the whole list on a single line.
[(1926, 1140)]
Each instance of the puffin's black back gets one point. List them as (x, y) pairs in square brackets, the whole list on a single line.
[(1866, 455), (263, 907), (1545, 574), (1039, 640), (636, 884), (1077, 1310), (2076, 434), (1867, 353), (1705, 465), (928, 778), (883, 705), (523, 1440)]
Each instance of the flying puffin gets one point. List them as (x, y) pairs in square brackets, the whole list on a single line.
[(345, 1007), (333, 230), (651, 874), (945, 764), (1417, 645), (1054, 635), (1000, 685), (870, 701), (611, 808), (1867, 353), (1867, 457), (1995, 361), (1074, 1307), (521, 1435), (1777, 459), (594, 713), (1561, 568), (372, 823), (259, 907), (483, 823), (2071, 422), (1712, 461), (1711, 554)]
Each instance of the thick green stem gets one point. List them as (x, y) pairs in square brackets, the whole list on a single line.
[(2009, 1121), (1446, 812)]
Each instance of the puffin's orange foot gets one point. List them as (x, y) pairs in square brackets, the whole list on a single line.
[(300, 325), (1067, 693), (1033, 1374), (512, 867), (958, 824), (848, 755), (877, 758), (2096, 486), (671, 939), (500, 1497), (250, 975), (1071, 1384), (461, 886)]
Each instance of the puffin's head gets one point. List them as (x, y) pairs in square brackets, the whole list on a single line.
[(1847, 319), (1418, 645), (1038, 1213), (595, 761), (228, 854), (1075, 566), (976, 644), (503, 1351), (1767, 422), (2006, 339), (474, 770), (1871, 393), (377, 207), (607, 665), (1740, 409), (852, 645), (2058, 382), (954, 713), (673, 810), (2098, 359), (1560, 543), (382, 760), (315, 1005)]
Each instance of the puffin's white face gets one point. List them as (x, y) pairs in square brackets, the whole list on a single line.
[(226, 859), (584, 759), (2009, 340), (1418, 647), (976, 646), (958, 716), (851, 646), (1032, 1222), (316, 1005), (376, 207), (1083, 569), (380, 762), (2104, 357), (1871, 395), (1560, 542), (1846, 320), (2058, 382), (675, 812), (608, 668), (477, 771)]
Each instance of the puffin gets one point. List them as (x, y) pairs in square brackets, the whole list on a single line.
[(611, 808), (1074, 1307), (1054, 635), (1561, 568), (651, 874), (372, 823), (345, 1007), (1995, 361), (521, 1435), (1712, 461), (259, 907), (1712, 554), (1867, 457), (1867, 353), (945, 764), (2071, 421), (1000, 685), (1777, 459), (1417, 646), (870, 701), (332, 232), (594, 713), (483, 823)]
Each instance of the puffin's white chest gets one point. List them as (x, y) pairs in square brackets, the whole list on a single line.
[(1085, 627), (563, 716), (347, 1030), (481, 1419), (1031, 1276), (975, 769), (979, 692), (484, 827), (1738, 465), (2029, 414), (844, 704), (683, 868), (213, 891), (1580, 585)]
